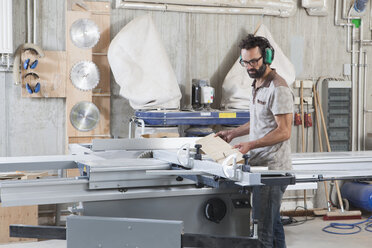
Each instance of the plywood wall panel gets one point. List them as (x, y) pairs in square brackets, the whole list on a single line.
[(74, 55), (52, 73), (27, 215)]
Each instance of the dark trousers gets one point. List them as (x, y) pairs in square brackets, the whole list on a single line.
[(270, 227)]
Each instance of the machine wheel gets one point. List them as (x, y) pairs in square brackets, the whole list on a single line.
[(215, 210)]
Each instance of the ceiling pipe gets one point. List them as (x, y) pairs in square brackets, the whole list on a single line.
[(360, 92), (225, 3), (29, 21), (365, 99), (35, 21), (282, 8)]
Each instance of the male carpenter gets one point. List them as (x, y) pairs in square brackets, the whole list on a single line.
[(271, 115)]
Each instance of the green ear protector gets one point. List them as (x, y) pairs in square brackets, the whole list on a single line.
[(269, 50), (269, 55)]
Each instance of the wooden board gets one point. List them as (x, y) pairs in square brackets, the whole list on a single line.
[(103, 86), (160, 135), (103, 104), (72, 172), (11, 175), (218, 149), (86, 139), (102, 92), (22, 175), (34, 175), (26, 215), (74, 55), (103, 128), (99, 12), (103, 23), (95, 7), (345, 213), (52, 73)]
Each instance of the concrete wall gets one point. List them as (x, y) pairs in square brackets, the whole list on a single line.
[(33, 126), (198, 45), (205, 46)]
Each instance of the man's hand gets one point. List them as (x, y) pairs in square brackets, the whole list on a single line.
[(226, 135), (245, 147)]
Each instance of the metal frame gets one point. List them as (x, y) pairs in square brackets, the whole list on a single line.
[(89, 231), (187, 239), (33, 163), (112, 178), (210, 167), (37, 232), (141, 144), (52, 191), (126, 173)]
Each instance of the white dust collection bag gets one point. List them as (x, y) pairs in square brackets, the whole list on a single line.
[(141, 67), (237, 86)]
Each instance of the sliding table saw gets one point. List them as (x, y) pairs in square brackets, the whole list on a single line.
[(160, 192)]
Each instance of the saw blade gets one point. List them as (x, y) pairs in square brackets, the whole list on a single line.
[(147, 154), (84, 33), (84, 116), (84, 75)]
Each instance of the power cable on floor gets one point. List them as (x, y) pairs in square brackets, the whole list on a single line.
[(355, 227), (291, 221)]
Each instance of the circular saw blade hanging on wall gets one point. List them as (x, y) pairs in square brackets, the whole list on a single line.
[(84, 116), (84, 33), (84, 75)]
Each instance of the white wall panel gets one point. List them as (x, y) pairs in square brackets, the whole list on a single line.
[(6, 26)]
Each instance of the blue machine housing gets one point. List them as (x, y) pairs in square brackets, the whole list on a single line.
[(358, 194), (200, 118)]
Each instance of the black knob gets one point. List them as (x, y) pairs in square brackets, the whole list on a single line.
[(246, 157), (215, 210), (198, 155), (246, 167)]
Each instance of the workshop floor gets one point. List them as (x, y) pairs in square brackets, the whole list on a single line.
[(307, 235), (310, 234)]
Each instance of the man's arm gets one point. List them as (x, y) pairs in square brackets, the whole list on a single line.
[(228, 135), (279, 134)]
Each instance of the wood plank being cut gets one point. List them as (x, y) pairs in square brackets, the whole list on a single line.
[(218, 149)]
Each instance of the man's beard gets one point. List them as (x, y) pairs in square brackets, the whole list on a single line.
[(254, 73)]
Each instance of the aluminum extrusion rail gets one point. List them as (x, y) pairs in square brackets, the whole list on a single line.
[(141, 144), (319, 167), (336, 161), (66, 190), (32, 163)]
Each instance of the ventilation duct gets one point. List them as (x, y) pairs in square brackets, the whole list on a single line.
[(6, 31), (282, 8)]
